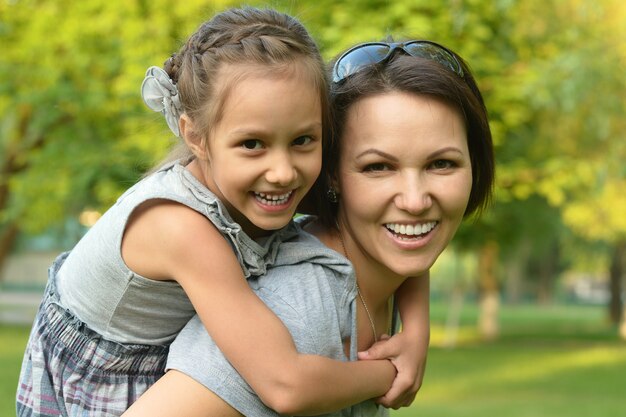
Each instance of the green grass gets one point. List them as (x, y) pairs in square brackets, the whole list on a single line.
[(12, 343), (549, 361), (524, 379)]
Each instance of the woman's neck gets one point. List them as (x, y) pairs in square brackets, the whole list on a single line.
[(377, 283)]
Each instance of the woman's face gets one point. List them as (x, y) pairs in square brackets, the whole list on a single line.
[(404, 178)]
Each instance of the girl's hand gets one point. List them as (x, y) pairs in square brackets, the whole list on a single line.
[(408, 355)]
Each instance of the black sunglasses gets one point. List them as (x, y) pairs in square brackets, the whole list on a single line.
[(364, 54)]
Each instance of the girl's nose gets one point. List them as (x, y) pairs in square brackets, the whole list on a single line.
[(282, 171)]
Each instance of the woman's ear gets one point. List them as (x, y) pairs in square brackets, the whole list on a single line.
[(334, 184), (193, 139)]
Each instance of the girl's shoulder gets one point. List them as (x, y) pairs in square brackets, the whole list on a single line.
[(160, 231)]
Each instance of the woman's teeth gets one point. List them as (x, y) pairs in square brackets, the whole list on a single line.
[(410, 229), (273, 200)]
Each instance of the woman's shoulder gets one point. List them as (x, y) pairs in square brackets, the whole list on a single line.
[(304, 261), (307, 246)]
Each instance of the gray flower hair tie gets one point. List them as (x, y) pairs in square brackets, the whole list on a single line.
[(161, 95)]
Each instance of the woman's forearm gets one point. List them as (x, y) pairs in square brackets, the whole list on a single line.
[(413, 299), (321, 385)]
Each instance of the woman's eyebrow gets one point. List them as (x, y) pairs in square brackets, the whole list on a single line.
[(444, 150), (377, 152)]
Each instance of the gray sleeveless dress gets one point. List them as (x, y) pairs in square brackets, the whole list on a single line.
[(102, 332)]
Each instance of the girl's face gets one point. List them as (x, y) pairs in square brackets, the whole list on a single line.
[(265, 152), (405, 178)]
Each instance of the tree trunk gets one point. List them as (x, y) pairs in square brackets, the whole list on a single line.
[(7, 238), (516, 271), (488, 325), (616, 280), (548, 269)]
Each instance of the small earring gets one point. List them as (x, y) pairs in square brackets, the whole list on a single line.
[(332, 195)]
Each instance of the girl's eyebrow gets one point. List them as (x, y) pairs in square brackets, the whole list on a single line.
[(262, 130), (377, 152)]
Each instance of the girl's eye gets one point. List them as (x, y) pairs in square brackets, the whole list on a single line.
[(442, 164), (376, 167), (302, 140), (252, 144)]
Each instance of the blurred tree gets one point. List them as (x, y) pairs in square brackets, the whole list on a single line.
[(556, 103), (74, 133), (579, 152), (73, 130)]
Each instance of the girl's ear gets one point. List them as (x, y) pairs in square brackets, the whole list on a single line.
[(193, 139)]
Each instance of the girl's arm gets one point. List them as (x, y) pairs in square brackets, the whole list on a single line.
[(168, 240), (408, 349)]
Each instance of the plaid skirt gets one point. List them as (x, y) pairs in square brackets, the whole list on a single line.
[(70, 370)]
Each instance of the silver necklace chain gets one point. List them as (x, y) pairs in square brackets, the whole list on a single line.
[(358, 290)]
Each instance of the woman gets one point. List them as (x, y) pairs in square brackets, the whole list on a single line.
[(412, 157)]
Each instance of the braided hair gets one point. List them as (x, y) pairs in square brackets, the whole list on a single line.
[(244, 39)]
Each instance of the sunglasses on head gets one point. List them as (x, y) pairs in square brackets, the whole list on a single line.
[(362, 55)]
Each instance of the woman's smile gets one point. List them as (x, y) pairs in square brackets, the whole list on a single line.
[(404, 179)]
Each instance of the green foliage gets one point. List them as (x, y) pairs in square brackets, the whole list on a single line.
[(74, 133)]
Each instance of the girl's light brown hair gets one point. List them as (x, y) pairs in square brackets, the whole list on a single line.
[(263, 39)]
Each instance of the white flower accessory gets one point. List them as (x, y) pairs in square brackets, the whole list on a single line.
[(161, 95)]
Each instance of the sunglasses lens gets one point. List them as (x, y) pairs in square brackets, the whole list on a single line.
[(358, 58), (372, 53), (434, 53)]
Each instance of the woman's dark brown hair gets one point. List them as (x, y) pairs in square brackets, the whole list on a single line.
[(420, 76)]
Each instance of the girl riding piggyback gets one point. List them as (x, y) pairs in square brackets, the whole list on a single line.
[(247, 95)]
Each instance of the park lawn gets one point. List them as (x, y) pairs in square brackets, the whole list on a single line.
[(12, 343), (523, 379), (557, 361), (561, 360)]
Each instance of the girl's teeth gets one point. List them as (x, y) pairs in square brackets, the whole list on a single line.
[(273, 200)]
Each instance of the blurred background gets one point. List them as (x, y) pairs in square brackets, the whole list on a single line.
[(527, 304)]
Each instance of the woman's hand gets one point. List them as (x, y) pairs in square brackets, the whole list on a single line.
[(408, 355)]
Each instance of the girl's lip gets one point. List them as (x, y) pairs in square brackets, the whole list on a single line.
[(277, 201)]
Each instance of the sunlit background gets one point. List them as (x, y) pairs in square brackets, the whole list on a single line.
[(527, 305)]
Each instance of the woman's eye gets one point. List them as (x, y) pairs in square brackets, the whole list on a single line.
[(302, 140), (252, 144), (376, 167), (441, 164)]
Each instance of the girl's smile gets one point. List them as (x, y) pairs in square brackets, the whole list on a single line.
[(273, 201), (264, 153)]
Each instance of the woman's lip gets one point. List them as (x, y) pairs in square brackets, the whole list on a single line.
[(413, 228), (409, 242)]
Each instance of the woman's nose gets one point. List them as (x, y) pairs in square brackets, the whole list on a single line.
[(414, 196)]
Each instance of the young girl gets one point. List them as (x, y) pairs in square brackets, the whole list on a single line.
[(247, 94)]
